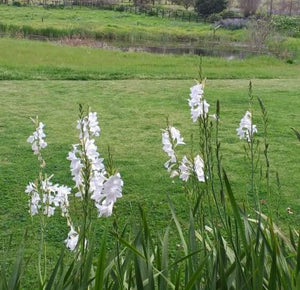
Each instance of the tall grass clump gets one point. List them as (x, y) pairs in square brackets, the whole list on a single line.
[(224, 244)]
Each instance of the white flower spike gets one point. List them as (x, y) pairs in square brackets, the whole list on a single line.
[(199, 106), (246, 128)]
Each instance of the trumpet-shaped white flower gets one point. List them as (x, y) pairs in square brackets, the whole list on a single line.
[(49, 210), (75, 166), (175, 135), (196, 94), (61, 198), (104, 209), (105, 199), (37, 139), (200, 110), (72, 239), (47, 197), (96, 186), (34, 203), (91, 149), (246, 128), (199, 106), (186, 168), (198, 167), (170, 139), (93, 124), (88, 125), (112, 188)]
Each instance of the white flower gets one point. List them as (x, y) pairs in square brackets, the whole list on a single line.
[(246, 129), (72, 239), (107, 196), (200, 110), (37, 139), (93, 124), (88, 124), (175, 135), (49, 210), (168, 148), (96, 186), (104, 209), (196, 93), (198, 167), (112, 188), (167, 145), (75, 166), (61, 198), (171, 138), (184, 169), (199, 106), (91, 149), (47, 197), (30, 188), (34, 203), (174, 173)]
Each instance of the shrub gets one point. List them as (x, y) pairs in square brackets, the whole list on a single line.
[(286, 24), (208, 7), (17, 3)]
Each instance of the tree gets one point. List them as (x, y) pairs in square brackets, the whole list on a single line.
[(208, 7), (249, 7)]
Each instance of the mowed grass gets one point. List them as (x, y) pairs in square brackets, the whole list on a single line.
[(103, 24), (30, 60), (132, 114)]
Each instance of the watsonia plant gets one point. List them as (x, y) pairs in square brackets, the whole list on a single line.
[(224, 246)]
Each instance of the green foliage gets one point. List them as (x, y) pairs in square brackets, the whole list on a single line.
[(208, 7), (290, 25), (16, 4)]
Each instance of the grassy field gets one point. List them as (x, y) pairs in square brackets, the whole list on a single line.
[(23, 59), (101, 24), (133, 94)]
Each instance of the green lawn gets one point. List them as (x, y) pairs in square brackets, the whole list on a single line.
[(24, 59), (131, 114)]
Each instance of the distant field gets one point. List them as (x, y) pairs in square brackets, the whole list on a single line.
[(23, 59), (101, 24)]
